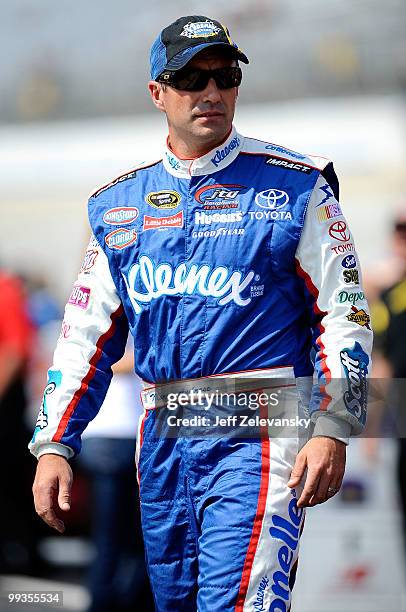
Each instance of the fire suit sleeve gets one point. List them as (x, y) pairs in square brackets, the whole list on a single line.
[(342, 337), (93, 337)]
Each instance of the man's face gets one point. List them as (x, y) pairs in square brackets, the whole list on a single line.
[(205, 115)]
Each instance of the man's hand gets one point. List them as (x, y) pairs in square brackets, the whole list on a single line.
[(324, 459), (53, 480)]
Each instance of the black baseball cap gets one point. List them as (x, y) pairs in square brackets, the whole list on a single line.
[(184, 38)]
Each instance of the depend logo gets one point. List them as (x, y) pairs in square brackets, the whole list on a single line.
[(163, 222), (225, 152), (338, 231), (120, 238), (79, 297), (218, 193), (279, 149), (172, 161), (353, 297), (163, 200), (203, 218), (360, 317), (121, 215), (325, 213), (272, 199), (147, 281), (355, 365), (288, 165), (349, 262), (200, 29), (288, 532)]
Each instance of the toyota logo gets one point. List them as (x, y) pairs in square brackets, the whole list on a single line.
[(338, 231), (272, 199)]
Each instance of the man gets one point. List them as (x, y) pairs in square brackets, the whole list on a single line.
[(223, 257)]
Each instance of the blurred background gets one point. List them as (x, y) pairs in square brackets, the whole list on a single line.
[(326, 78)]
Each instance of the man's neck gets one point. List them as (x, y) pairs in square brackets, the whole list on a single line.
[(190, 150)]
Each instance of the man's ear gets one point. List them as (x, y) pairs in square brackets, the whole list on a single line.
[(155, 89)]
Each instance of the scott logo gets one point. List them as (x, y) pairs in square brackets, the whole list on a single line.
[(147, 281), (163, 199), (120, 238), (225, 152), (355, 364), (212, 193), (338, 231), (349, 262), (121, 215), (272, 199), (172, 161), (288, 531)]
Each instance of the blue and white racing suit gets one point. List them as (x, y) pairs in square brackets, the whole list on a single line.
[(237, 263)]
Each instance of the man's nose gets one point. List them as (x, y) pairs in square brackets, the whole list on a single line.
[(212, 92)]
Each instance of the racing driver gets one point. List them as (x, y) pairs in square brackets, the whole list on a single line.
[(226, 256)]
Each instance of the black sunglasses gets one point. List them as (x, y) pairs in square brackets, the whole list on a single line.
[(196, 79)]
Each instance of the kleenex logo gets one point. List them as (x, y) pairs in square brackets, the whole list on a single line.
[(223, 153), (287, 530), (147, 281), (172, 161), (259, 601)]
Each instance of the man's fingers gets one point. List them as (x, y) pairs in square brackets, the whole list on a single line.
[(298, 470), (311, 484), (44, 503)]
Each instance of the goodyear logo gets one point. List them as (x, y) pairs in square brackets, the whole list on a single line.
[(163, 199)]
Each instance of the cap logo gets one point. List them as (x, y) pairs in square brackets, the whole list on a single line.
[(200, 29)]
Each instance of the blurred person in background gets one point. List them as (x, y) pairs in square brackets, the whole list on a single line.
[(222, 258), (387, 287), (17, 531), (117, 579)]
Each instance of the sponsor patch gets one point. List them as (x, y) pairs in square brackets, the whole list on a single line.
[(326, 189), (163, 222), (273, 147), (54, 380), (218, 194), (145, 282), (351, 296), (120, 179), (120, 238), (272, 199), (355, 365), (163, 200), (360, 317), (349, 262), (225, 151), (288, 165), (65, 331), (339, 231), (351, 276), (79, 297), (88, 261), (325, 213), (204, 218), (343, 248), (121, 215), (172, 161), (200, 29), (220, 231)]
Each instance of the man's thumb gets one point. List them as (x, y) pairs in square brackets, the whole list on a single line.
[(64, 497), (298, 471)]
